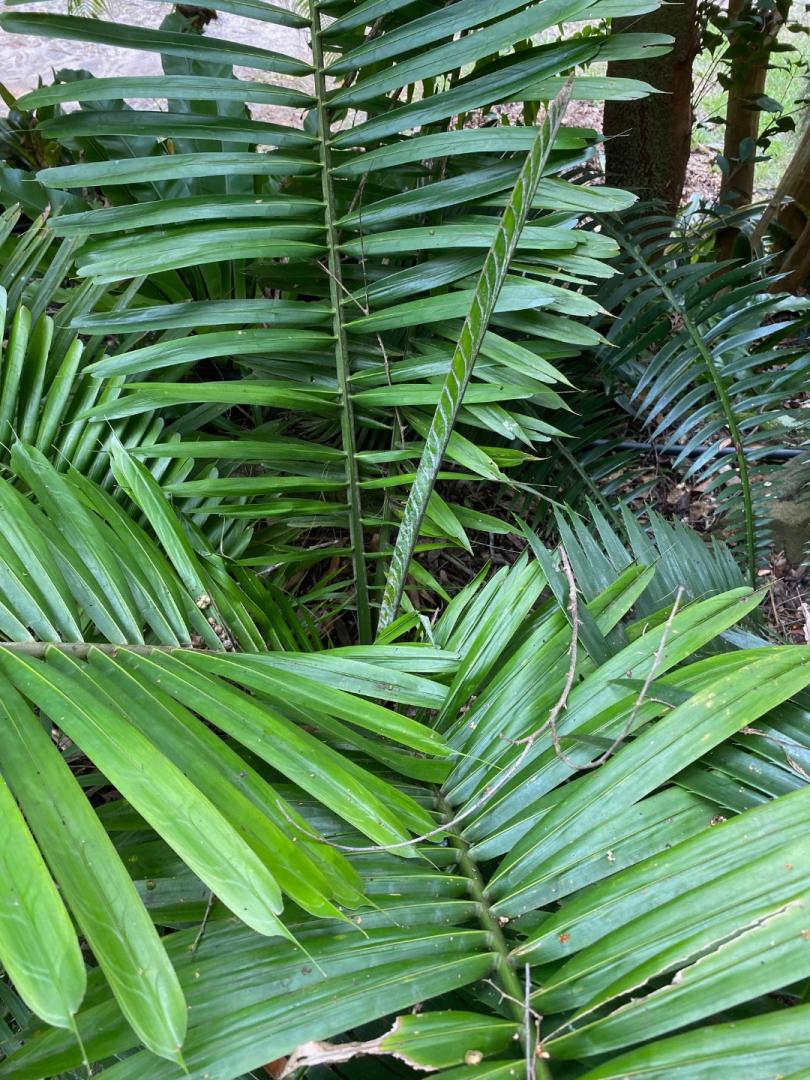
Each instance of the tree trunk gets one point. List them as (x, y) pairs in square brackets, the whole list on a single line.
[(794, 204), (648, 141), (790, 210), (749, 50), (797, 263)]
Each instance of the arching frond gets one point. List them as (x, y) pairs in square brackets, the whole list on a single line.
[(584, 809), (341, 257), (706, 363), (708, 360), (681, 851)]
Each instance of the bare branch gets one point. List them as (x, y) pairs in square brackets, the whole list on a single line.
[(642, 697), (206, 916)]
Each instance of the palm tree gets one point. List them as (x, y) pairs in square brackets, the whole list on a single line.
[(231, 838)]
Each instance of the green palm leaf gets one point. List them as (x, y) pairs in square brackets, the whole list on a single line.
[(705, 357), (490, 283), (359, 316), (551, 800), (662, 869)]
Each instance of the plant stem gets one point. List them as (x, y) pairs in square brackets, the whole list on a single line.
[(505, 974), (342, 363), (80, 649), (471, 337)]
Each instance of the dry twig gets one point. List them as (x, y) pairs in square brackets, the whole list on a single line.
[(527, 743), (490, 790), (642, 697)]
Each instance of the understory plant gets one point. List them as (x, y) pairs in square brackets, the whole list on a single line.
[(704, 366), (312, 276), (571, 846), (266, 811)]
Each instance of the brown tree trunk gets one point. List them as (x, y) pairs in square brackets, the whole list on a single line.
[(648, 141), (794, 208), (790, 204), (790, 208), (749, 50), (797, 263)]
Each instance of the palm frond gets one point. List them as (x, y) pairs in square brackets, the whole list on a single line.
[(558, 869), (352, 249), (683, 559), (142, 715), (583, 803), (81, 567), (708, 361)]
